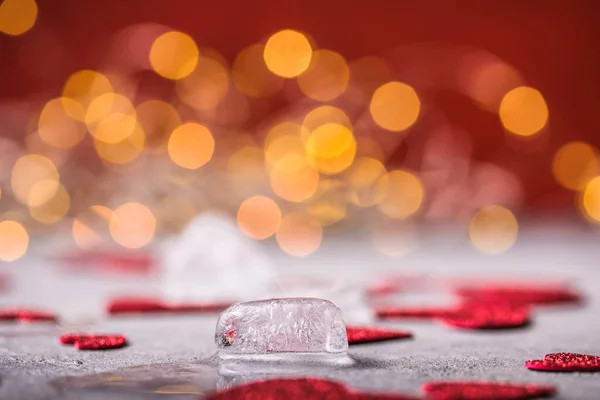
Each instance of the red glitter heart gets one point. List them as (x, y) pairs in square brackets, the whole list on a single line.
[(298, 389), (363, 334), (487, 316), (93, 342), (143, 305), (570, 362), (25, 315), (485, 391), (520, 294)]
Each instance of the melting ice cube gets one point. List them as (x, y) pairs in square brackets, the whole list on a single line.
[(213, 260), (292, 325)]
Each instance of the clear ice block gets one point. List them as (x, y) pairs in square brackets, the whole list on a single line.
[(212, 260), (291, 325)]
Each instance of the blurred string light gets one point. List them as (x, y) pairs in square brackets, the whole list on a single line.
[(259, 217), (126, 150), (83, 87), (56, 127), (287, 53), (575, 164), (395, 106), (251, 75), (206, 86), (298, 236), (132, 225), (14, 240), (331, 148), (284, 139), (157, 119), (174, 55), (191, 145), (55, 208), (325, 212), (321, 115), (523, 111), (368, 181), (294, 179), (493, 229), (403, 194), (34, 179), (17, 16), (590, 200), (327, 76)]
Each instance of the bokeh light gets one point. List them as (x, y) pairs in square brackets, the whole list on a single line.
[(55, 208), (157, 119), (105, 105), (14, 240), (191, 145), (575, 164), (28, 171), (293, 179), (126, 150), (259, 217), (395, 106), (287, 53), (403, 194), (174, 55), (56, 127), (17, 16), (493, 229), (523, 111), (132, 225), (590, 200), (325, 212), (84, 235), (206, 87), (251, 75), (326, 77), (83, 87), (324, 114), (298, 236), (331, 148), (368, 181)]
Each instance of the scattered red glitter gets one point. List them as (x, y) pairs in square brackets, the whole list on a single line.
[(520, 294), (359, 334), (25, 315), (485, 391), (142, 305), (566, 362), (110, 261), (93, 342), (411, 312), (298, 389), (487, 316)]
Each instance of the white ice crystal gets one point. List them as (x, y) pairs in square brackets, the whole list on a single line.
[(291, 325), (213, 260)]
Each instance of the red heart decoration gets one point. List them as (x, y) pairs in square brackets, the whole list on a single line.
[(298, 389), (364, 334), (487, 316), (566, 362), (520, 294), (143, 305), (485, 391), (93, 342), (26, 315)]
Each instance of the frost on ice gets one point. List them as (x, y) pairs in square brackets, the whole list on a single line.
[(292, 325), (213, 260)]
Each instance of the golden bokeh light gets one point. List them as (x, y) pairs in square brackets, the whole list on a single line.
[(158, 119), (55, 208), (395, 106), (248, 158), (403, 195), (287, 53), (286, 128), (523, 111), (115, 128), (126, 150), (251, 75), (331, 148), (106, 105), (326, 77), (206, 87), (282, 147), (325, 213), (132, 225), (174, 55), (17, 16), (56, 127), (590, 200), (14, 240), (83, 87), (28, 171), (84, 235), (575, 164), (102, 211), (191, 145), (493, 230), (325, 114), (369, 147), (367, 180), (293, 179), (259, 217), (298, 236)]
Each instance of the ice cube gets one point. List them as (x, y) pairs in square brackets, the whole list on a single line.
[(213, 260), (290, 325)]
